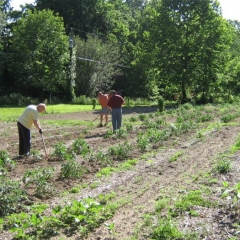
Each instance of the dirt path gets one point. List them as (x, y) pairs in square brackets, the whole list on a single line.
[(143, 186)]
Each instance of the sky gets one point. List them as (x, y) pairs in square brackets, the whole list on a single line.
[(16, 3), (230, 8)]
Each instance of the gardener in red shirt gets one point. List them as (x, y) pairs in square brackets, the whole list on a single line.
[(115, 104), (103, 100)]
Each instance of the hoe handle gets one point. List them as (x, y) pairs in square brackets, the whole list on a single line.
[(44, 145)]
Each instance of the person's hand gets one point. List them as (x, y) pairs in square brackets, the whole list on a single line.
[(40, 131)]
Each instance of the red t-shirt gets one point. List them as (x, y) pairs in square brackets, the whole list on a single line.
[(115, 101)]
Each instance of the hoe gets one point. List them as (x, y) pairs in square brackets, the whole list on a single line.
[(44, 146)]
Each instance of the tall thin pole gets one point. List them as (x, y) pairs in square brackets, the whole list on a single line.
[(71, 63)]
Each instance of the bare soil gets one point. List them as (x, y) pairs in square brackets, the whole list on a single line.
[(153, 178)]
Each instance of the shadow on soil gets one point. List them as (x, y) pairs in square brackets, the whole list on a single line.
[(139, 109)]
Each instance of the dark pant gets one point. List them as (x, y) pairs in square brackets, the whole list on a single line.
[(24, 139), (116, 118)]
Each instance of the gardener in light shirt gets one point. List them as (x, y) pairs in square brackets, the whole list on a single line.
[(28, 118)]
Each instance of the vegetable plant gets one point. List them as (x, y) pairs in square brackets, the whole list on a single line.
[(71, 169), (10, 195), (80, 147), (40, 179)]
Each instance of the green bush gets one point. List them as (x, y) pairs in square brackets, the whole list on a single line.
[(83, 100), (16, 99), (160, 104), (94, 102)]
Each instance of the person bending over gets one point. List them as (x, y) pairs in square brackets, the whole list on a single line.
[(29, 117)]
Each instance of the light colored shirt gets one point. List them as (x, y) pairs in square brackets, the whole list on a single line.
[(26, 119)]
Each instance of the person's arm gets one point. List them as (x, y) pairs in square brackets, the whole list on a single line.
[(122, 101), (109, 104), (37, 124)]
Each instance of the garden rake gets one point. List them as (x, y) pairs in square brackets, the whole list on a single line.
[(95, 118)]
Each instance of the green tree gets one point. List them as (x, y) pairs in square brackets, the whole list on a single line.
[(97, 63), (185, 44), (2, 23), (112, 20), (83, 15), (42, 56), (229, 79)]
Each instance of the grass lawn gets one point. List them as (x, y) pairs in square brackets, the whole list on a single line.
[(11, 113)]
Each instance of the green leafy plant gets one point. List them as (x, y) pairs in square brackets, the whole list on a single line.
[(133, 119), (80, 146), (191, 199), (157, 135), (143, 142), (87, 214), (61, 151), (10, 195), (110, 227), (120, 133), (95, 184), (129, 127), (142, 117), (72, 169), (127, 165), (105, 198), (74, 190), (33, 225), (232, 194), (108, 134), (100, 156), (229, 117), (204, 118), (236, 146), (5, 160), (176, 156), (40, 179), (19, 223), (121, 151), (223, 166), (107, 171), (165, 229), (161, 204)]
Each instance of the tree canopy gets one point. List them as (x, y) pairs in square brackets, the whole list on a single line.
[(41, 52), (142, 48)]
